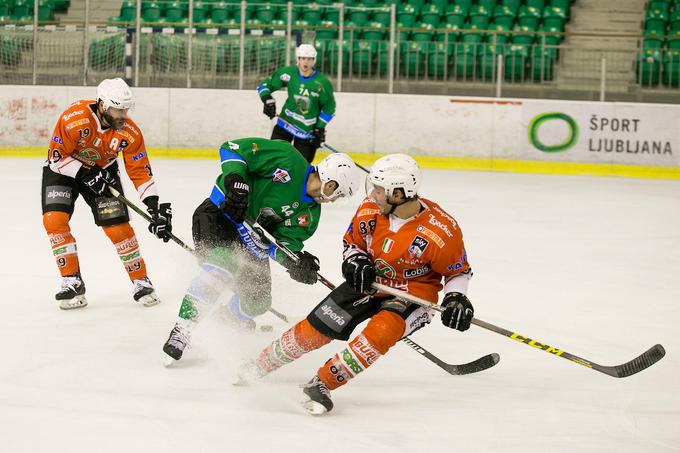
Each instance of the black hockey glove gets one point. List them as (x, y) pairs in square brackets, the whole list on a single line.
[(458, 311), (305, 269), (97, 179), (359, 273), (319, 136), (269, 106), (161, 218), (235, 201)]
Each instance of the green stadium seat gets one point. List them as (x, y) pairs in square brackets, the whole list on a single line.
[(363, 54), (652, 38), (374, 31), (330, 32), (431, 14), (554, 17), (128, 11), (498, 38), (372, 3), (549, 40), (220, 13), (45, 11), (504, 15), (412, 60), (524, 35), (648, 67), (656, 18), (266, 13), (424, 33), (20, 10), (515, 61), (470, 36), (402, 35), (152, 13), (562, 4), (442, 4), (656, 4), (382, 16), (538, 4), (671, 68), (406, 14), (465, 4), (332, 14), (529, 16), (451, 33), (331, 57), (674, 23), (456, 9), (383, 57), (417, 4), (480, 16), (358, 15), (464, 64), (488, 5), (200, 12), (674, 43), (4, 9), (455, 15), (542, 64), (512, 4), (437, 60), (173, 13)]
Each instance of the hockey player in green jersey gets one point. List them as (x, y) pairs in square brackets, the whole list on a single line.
[(309, 107), (268, 181)]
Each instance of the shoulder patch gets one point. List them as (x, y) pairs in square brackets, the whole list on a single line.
[(75, 124), (284, 77), (418, 246), (281, 175), (432, 235)]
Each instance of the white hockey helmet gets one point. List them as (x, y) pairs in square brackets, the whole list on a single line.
[(115, 93), (395, 171), (305, 51), (338, 167)]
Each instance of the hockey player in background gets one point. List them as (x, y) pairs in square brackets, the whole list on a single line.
[(265, 180), (309, 107), (89, 136), (395, 238)]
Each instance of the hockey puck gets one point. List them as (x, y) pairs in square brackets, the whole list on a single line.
[(266, 328)]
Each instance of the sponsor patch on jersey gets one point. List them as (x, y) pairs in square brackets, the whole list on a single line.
[(459, 264), (387, 245), (418, 246), (75, 124), (368, 211), (58, 195), (123, 144), (57, 139), (72, 114), (383, 269), (127, 135), (434, 221), (281, 175), (303, 220), (332, 315), (413, 273), (432, 235), (138, 156)]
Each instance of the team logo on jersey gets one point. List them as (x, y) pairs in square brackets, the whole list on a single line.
[(281, 175), (418, 246), (88, 156), (97, 141), (284, 77), (432, 235), (303, 220), (383, 269), (387, 245)]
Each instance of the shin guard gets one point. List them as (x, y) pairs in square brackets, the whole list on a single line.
[(382, 332), (123, 238), (63, 243)]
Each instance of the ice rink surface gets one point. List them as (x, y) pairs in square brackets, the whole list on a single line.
[(590, 265)]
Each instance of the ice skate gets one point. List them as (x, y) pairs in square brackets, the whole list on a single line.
[(175, 345), (144, 292), (318, 400), (72, 293)]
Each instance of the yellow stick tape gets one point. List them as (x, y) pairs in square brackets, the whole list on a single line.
[(437, 162)]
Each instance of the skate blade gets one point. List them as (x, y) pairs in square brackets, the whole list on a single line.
[(149, 300), (76, 302), (168, 361), (313, 408)]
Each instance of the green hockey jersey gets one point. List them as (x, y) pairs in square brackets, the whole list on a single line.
[(310, 103), (277, 175)]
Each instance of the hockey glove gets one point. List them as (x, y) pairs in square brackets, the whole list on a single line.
[(458, 311), (359, 273), (269, 106), (319, 136), (95, 178), (161, 218), (235, 201), (305, 269)]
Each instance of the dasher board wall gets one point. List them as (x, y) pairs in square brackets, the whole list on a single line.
[(441, 131)]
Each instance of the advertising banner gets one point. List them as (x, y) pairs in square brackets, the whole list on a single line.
[(599, 132)]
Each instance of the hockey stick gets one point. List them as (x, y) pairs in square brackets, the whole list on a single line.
[(475, 366), (333, 150), (641, 362)]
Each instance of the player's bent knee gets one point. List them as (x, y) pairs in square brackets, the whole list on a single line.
[(119, 232), (384, 330), (56, 222)]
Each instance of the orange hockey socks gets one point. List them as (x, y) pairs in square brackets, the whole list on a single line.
[(63, 243), (293, 343), (123, 237), (381, 333)]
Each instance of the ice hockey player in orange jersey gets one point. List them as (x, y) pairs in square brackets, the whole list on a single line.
[(398, 239), (82, 160)]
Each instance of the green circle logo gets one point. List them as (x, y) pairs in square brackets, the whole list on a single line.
[(568, 142)]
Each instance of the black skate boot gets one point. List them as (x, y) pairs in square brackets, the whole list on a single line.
[(72, 293), (319, 397), (144, 292), (177, 342)]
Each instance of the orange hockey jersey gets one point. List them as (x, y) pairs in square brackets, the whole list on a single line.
[(411, 255), (79, 140)]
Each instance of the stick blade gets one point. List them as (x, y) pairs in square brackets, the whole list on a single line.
[(642, 362), (475, 366)]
